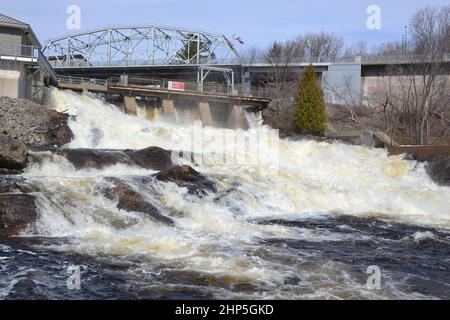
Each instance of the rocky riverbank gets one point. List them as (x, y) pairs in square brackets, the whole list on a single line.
[(33, 124)]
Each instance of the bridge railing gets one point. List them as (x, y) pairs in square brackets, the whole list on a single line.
[(80, 63), (404, 59), (82, 80), (188, 86), (191, 86), (46, 67), (161, 83), (258, 61)]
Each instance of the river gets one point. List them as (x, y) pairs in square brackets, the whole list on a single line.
[(308, 228)]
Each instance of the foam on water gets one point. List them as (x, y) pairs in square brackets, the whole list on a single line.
[(313, 177)]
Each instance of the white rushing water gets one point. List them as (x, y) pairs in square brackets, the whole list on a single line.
[(216, 234)]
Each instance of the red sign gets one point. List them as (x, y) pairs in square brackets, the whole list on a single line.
[(178, 86)]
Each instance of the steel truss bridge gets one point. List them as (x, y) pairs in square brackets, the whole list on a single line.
[(141, 45), (191, 55)]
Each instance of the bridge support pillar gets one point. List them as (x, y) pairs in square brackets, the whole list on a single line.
[(236, 118), (130, 104), (168, 109), (205, 113)]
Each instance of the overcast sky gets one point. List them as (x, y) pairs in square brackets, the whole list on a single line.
[(257, 22)]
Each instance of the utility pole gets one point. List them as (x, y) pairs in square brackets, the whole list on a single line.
[(406, 41)]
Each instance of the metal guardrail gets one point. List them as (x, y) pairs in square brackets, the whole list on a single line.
[(246, 62), (162, 62), (404, 59), (189, 86), (82, 80), (137, 63), (30, 52), (48, 69), (261, 61)]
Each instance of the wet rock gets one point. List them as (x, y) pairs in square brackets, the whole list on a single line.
[(14, 184), (16, 212), (13, 154), (32, 123), (410, 156), (130, 200), (438, 168), (153, 158), (91, 158), (186, 176), (9, 171)]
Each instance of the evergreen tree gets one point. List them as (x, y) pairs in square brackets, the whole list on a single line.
[(310, 114)]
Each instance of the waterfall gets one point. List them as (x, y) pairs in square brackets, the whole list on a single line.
[(221, 234)]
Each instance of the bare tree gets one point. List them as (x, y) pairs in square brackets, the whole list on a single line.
[(252, 55), (281, 82), (430, 31), (417, 93), (345, 93), (394, 48), (359, 47), (321, 45)]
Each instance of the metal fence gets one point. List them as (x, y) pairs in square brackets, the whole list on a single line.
[(82, 80), (28, 52), (19, 51)]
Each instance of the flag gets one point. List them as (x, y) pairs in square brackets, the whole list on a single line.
[(238, 39)]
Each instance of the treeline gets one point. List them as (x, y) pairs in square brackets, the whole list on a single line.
[(428, 30), (413, 102)]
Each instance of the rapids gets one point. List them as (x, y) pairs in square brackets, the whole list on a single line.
[(303, 222)]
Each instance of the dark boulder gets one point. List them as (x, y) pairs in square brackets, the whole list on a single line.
[(438, 168), (130, 200), (10, 171), (410, 156), (91, 158), (13, 154), (186, 176), (16, 212), (153, 158), (14, 184)]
